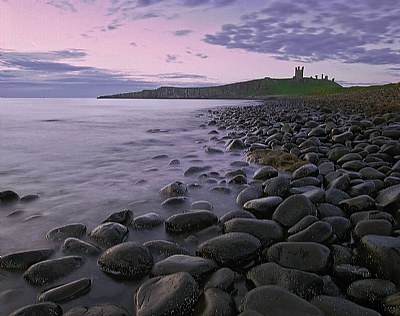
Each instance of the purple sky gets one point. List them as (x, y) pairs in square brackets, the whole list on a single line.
[(86, 48)]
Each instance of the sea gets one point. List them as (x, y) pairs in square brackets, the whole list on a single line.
[(88, 158)]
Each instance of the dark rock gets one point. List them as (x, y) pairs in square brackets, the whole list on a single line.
[(267, 231), (369, 173), (63, 232), (8, 197), (109, 234), (381, 255), (278, 186), (198, 267), (372, 227), (146, 221), (212, 150), (330, 287), (357, 204), (349, 157), (389, 198), (173, 201), (75, 246), (39, 309), (176, 188), (201, 205), (337, 306), (335, 196), (342, 138), (174, 294), (29, 198), (341, 255), (391, 304), (66, 292), (341, 227), (319, 232), (326, 167), (263, 207), (233, 250), (235, 214), (309, 170), (274, 301), (348, 273), (341, 183), (190, 221), (46, 272), (123, 217), (129, 260), (265, 173), (336, 153), (307, 181), (304, 256), (367, 188), (221, 189), (305, 222), (161, 249), (222, 279), (195, 170), (236, 144), (213, 301), (303, 284), (329, 210), (370, 215), (370, 291), (98, 310), (24, 259), (293, 209), (239, 179), (249, 193)]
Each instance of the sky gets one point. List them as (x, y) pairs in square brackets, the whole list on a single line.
[(87, 48)]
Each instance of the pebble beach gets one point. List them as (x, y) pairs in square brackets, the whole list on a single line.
[(315, 227)]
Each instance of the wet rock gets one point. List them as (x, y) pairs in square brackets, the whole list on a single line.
[(221, 189), (328, 210), (305, 222), (174, 189), (309, 170), (63, 232), (109, 234), (267, 231), (341, 183), (235, 214), (129, 260), (122, 217), (370, 215), (357, 204), (213, 301), (369, 173), (372, 227), (265, 173), (239, 179), (306, 181), (381, 254), (190, 221), (335, 196), (278, 186), (146, 221), (337, 306), (326, 167), (29, 198), (174, 162), (281, 160), (274, 301), (195, 170), (370, 291), (367, 188), (336, 153), (236, 144), (201, 205), (161, 249), (222, 279), (349, 157), (389, 198), (48, 271), (391, 304), (263, 207), (303, 284), (75, 246), (24, 259), (348, 273), (293, 209), (8, 197), (66, 292), (198, 267), (341, 255), (250, 193), (341, 227), (342, 138), (174, 294), (319, 232), (233, 250), (212, 150), (42, 309), (98, 310), (304, 256)]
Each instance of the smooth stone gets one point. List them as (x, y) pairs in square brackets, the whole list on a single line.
[(214, 301), (379, 227), (357, 204), (263, 207), (220, 189), (198, 267), (391, 304), (129, 260), (250, 193), (336, 153), (304, 256), (367, 188), (349, 157), (75, 246), (265, 173), (98, 310), (174, 201), (306, 181), (329, 210), (109, 234), (278, 186), (239, 179), (235, 214), (201, 205), (335, 196), (355, 165), (146, 221), (39, 309), (381, 255), (349, 273), (389, 198), (369, 173), (161, 249), (174, 294), (46, 272), (222, 279), (231, 249), (66, 292), (239, 164), (330, 287), (302, 224), (370, 291), (236, 144), (122, 217), (326, 167), (195, 170), (302, 190), (29, 198), (63, 232), (24, 259), (293, 209), (342, 138), (309, 170), (319, 232), (272, 300), (341, 183), (370, 215), (176, 188), (341, 255), (174, 162), (316, 196), (267, 231), (212, 151), (303, 284), (190, 221), (341, 227), (8, 197), (338, 306)]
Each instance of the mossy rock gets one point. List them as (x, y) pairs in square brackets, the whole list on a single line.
[(277, 158)]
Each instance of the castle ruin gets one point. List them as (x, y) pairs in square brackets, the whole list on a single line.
[(299, 75)]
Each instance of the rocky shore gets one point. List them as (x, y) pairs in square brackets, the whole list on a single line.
[(316, 230)]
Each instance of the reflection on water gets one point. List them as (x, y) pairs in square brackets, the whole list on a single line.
[(88, 158)]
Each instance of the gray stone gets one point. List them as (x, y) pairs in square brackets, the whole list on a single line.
[(293, 209), (123, 217), (341, 227), (147, 221), (98, 310), (39, 309), (8, 197), (161, 249), (24, 259), (75, 246), (305, 222), (263, 207), (278, 186), (391, 304), (174, 201), (319, 232), (195, 170), (214, 301), (367, 188), (370, 215), (190, 221), (309, 170), (176, 188), (370, 291), (357, 204), (341, 183), (63, 232), (369, 173), (379, 227), (235, 214), (265, 173), (66, 292), (342, 138), (328, 210), (201, 205), (348, 273), (335, 196), (109, 234), (249, 193), (222, 279), (236, 144), (389, 198)]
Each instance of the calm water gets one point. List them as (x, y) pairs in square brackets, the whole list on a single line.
[(87, 158)]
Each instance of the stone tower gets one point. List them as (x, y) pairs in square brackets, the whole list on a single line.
[(298, 73)]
